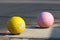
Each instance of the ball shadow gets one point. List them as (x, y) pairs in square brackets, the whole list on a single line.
[(36, 27), (3, 34)]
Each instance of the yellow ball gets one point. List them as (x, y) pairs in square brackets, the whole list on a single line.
[(16, 25)]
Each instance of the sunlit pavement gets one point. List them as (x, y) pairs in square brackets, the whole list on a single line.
[(31, 31)]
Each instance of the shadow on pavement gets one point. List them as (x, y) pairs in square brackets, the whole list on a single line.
[(55, 33)]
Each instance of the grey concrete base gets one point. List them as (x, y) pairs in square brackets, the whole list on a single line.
[(52, 32)]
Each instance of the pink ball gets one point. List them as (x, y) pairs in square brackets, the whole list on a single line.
[(45, 19)]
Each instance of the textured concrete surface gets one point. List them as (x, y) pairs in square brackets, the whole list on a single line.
[(31, 31), (52, 33)]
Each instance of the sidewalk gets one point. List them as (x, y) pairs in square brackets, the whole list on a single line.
[(31, 31)]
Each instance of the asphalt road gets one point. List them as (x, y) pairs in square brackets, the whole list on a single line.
[(28, 9)]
